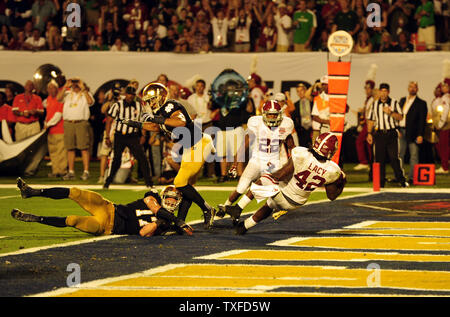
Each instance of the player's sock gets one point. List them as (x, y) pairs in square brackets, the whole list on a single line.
[(184, 208), (244, 202), (53, 221), (227, 203), (55, 192), (190, 193), (249, 222)]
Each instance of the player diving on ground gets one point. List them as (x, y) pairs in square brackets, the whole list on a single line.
[(151, 215), (290, 187)]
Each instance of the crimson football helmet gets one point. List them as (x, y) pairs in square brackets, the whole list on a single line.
[(326, 145), (271, 113), (171, 191)]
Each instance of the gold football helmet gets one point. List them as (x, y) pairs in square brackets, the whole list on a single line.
[(155, 95), (171, 198)]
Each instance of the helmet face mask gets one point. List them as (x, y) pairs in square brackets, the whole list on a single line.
[(271, 113), (170, 198), (155, 95), (326, 145)]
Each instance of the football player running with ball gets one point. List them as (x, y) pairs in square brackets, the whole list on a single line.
[(268, 132), (289, 188), (171, 117), (151, 215)]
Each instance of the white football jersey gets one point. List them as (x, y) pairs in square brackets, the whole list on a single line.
[(266, 146), (309, 173)]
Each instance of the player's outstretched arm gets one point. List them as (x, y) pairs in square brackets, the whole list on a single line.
[(284, 173), (335, 189)]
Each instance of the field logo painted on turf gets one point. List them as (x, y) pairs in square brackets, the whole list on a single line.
[(374, 278), (74, 278)]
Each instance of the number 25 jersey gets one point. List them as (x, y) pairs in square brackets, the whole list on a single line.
[(309, 174)]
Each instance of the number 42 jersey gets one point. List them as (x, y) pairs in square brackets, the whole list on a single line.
[(309, 174)]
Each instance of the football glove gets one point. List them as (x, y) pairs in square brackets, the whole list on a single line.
[(232, 172), (132, 123)]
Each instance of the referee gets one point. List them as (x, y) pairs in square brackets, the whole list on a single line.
[(126, 136), (383, 120)]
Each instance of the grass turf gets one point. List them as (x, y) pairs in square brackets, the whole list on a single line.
[(18, 235)]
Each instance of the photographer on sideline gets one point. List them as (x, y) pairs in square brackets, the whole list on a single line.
[(77, 100)]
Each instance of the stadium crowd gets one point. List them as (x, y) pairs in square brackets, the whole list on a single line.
[(222, 25)]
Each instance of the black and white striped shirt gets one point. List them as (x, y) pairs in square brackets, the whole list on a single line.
[(383, 121), (123, 110)]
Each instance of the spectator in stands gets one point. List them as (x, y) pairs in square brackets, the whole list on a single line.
[(109, 34), (19, 13), (54, 40), (175, 24), (329, 12), (142, 46), (77, 100), (386, 43), (305, 25), (35, 42), (99, 45), (119, 46), (425, 19), (170, 41), (219, 23), (109, 13), (363, 44), (55, 125), (242, 31), (160, 29), (136, 14), (6, 37), (41, 12), (283, 23), (322, 43), (346, 19), (403, 44), (131, 37), (412, 126), (201, 32), (267, 40), (151, 37)]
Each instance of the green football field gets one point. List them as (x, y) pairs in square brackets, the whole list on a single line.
[(15, 235), (18, 235)]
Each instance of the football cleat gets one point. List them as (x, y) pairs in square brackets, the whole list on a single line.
[(25, 190), (209, 218), (240, 228), (221, 211), (19, 215), (234, 212)]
